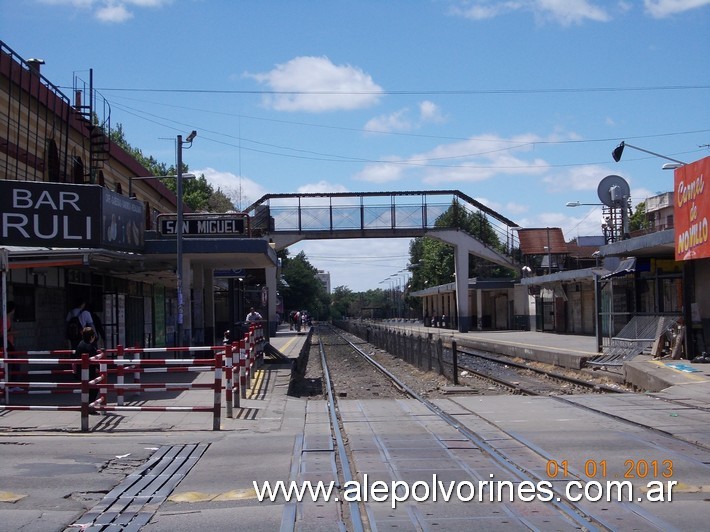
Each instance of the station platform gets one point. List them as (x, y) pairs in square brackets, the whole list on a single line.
[(571, 351)]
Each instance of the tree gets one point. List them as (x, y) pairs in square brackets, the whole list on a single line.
[(638, 219), (435, 261), (303, 290), (198, 194), (342, 302)]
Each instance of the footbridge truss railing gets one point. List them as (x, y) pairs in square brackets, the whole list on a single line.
[(374, 215)]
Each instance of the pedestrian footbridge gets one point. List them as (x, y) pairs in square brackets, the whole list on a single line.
[(289, 218)]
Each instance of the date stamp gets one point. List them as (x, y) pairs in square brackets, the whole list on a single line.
[(602, 469)]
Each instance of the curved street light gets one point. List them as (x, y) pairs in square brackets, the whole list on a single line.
[(578, 204), (619, 150)]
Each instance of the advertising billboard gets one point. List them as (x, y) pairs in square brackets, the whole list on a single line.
[(691, 211), (62, 215)]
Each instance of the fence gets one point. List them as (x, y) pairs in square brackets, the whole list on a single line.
[(115, 365), (427, 352)]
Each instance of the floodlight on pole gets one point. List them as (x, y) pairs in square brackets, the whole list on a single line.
[(671, 166), (178, 238), (619, 150), (578, 204)]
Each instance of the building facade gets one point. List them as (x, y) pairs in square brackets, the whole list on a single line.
[(71, 231)]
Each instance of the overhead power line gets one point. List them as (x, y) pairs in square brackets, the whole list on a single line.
[(462, 92)]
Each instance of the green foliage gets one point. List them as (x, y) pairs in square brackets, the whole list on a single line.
[(342, 302), (150, 163), (435, 259), (303, 290), (638, 219), (198, 194)]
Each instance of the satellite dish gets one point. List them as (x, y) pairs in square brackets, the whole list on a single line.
[(613, 190)]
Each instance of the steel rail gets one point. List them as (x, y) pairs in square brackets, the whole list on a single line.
[(574, 513), (346, 466), (519, 365)]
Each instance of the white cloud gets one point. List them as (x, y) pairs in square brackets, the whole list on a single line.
[(396, 121), (315, 84), (471, 160), (667, 8), (587, 222), (579, 178), (320, 186), (564, 12), (113, 13), (110, 11), (380, 172), (401, 120), (430, 112), (242, 191), (478, 159)]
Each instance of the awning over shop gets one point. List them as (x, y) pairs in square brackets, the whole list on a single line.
[(625, 267), (567, 276)]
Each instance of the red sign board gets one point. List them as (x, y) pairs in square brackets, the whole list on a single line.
[(692, 210)]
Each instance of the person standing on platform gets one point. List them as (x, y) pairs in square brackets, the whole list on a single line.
[(254, 316), (77, 320), (88, 345)]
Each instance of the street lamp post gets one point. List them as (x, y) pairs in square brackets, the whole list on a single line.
[(179, 233), (179, 230), (619, 150)]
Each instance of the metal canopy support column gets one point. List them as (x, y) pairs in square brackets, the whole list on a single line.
[(479, 308), (462, 302), (186, 283), (208, 318), (272, 324), (198, 305)]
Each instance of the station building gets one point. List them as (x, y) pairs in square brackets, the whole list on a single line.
[(82, 219), (597, 286)]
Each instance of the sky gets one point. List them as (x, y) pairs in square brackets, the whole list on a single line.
[(516, 103)]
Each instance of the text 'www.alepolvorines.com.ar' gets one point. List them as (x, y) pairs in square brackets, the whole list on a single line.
[(437, 490)]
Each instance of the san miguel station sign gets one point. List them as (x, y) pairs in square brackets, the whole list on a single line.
[(206, 225), (39, 214)]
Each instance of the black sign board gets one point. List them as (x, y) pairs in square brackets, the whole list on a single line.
[(209, 226), (35, 213)]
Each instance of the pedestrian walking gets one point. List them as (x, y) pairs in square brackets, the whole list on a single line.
[(87, 344)]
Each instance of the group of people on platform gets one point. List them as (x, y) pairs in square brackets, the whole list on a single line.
[(441, 321), (299, 319)]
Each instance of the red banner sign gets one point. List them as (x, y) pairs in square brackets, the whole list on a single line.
[(692, 210)]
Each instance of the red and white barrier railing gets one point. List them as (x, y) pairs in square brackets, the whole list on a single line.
[(238, 361)]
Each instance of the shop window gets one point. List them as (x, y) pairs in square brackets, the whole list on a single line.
[(672, 291), (52, 159), (78, 171)]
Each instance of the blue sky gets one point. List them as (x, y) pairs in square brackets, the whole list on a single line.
[(516, 103)]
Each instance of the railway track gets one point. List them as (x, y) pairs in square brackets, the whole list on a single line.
[(386, 429), (570, 514), (526, 378)]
